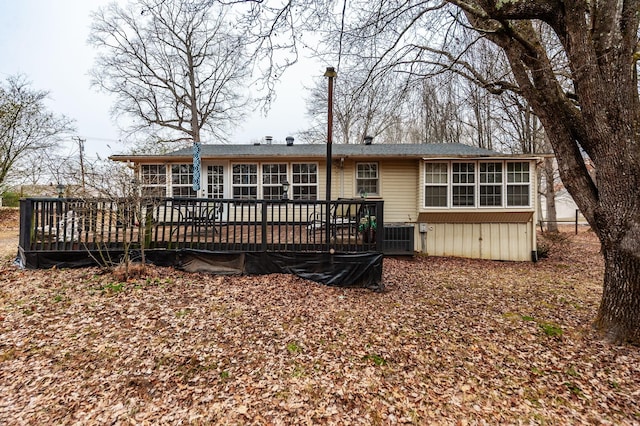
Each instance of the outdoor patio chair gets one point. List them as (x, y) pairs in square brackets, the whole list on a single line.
[(344, 218)]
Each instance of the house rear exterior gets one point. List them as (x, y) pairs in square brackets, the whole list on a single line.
[(455, 199)]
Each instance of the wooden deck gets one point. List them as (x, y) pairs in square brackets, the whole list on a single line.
[(203, 224)]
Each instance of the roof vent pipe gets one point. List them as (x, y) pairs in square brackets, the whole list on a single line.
[(368, 140), (268, 139), (289, 140)]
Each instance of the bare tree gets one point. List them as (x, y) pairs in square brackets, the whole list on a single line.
[(590, 110), (26, 126), (434, 112), (176, 68), (359, 110)]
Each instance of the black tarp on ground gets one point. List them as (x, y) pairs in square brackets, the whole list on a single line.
[(339, 269)]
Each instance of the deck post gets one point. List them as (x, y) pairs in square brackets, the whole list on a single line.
[(264, 225), (26, 219), (380, 226)]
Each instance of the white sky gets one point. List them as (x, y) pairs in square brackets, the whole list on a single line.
[(46, 41)]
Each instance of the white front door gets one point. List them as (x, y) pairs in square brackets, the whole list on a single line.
[(215, 186), (215, 181)]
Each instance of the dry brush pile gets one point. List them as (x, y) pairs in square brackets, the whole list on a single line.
[(450, 341)]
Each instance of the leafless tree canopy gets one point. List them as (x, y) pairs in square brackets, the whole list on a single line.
[(26, 127), (574, 62), (176, 68)]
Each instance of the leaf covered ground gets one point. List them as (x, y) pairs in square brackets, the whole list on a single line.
[(450, 341)]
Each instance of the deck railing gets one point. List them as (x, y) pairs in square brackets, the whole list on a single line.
[(220, 225)]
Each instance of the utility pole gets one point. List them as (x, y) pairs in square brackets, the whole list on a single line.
[(81, 149)]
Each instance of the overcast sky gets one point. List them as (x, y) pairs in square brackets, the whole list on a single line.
[(46, 40)]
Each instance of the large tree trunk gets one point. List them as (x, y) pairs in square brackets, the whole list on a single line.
[(597, 125), (619, 313)]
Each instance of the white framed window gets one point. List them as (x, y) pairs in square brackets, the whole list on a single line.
[(367, 178), (272, 177), (215, 181), (244, 181), (518, 183), (477, 184), (182, 180), (436, 179), (304, 185), (463, 184), (490, 191), (153, 180)]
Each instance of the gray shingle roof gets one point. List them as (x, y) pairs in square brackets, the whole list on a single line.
[(320, 150)]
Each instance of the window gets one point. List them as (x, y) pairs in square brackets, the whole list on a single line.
[(182, 180), (367, 178), (490, 184), (518, 184), (305, 182), (153, 180), (272, 177), (245, 181), (493, 184), (215, 181), (435, 180), (463, 184)]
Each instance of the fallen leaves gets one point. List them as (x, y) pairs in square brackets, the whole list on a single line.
[(451, 341)]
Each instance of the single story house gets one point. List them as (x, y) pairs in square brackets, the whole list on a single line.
[(457, 200)]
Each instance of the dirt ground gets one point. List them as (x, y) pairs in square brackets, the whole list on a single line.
[(9, 230)]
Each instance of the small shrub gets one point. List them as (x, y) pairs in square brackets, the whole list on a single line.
[(549, 241), (11, 199), (124, 273), (543, 249)]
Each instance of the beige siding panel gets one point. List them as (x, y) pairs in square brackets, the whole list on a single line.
[(508, 241), (344, 184), (397, 180), (399, 190), (322, 180)]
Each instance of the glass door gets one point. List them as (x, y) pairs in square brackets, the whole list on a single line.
[(215, 181)]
